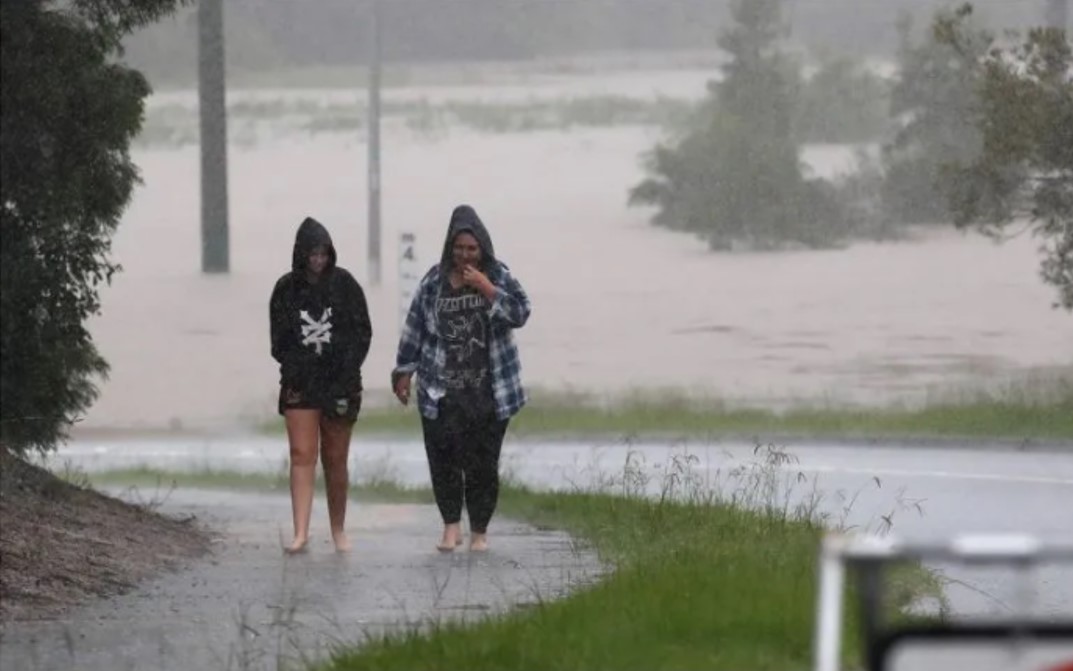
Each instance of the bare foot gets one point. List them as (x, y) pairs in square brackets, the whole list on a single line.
[(478, 543), (297, 546), (452, 538), (342, 543)]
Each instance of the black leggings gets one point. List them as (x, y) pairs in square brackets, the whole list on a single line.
[(463, 460)]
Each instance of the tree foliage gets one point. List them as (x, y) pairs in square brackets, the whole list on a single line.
[(843, 102), (931, 101), (67, 115), (735, 177), (1023, 171)]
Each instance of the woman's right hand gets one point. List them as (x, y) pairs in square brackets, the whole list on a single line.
[(402, 388)]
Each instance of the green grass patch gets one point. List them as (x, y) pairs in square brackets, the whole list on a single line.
[(700, 581), (153, 484), (696, 587), (986, 418), (698, 584), (1013, 413)]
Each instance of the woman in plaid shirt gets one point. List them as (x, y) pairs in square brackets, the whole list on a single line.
[(459, 340)]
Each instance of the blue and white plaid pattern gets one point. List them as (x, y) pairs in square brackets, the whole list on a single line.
[(421, 350)]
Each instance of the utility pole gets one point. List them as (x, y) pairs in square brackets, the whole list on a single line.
[(212, 107), (1058, 14), (374, 144)]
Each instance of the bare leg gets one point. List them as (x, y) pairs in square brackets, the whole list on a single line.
[(303, 428), (335, 449)]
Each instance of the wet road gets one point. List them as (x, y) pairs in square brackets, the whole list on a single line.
[(916, 491)]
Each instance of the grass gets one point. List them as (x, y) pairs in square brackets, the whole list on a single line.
[(696, 587), (174, 125), (1012, 413), (702, 579), (452, 73), (154, 483)]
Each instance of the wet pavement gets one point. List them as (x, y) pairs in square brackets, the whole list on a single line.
[(919, 491), (250, 607)]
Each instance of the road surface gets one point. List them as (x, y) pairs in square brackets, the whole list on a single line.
[(917, 491)]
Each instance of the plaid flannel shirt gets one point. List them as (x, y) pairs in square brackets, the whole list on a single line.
[(421, 350)]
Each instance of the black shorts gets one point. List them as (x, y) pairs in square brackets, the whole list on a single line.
[(292, 399)]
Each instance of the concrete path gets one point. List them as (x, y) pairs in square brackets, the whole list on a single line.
[(250, 607)]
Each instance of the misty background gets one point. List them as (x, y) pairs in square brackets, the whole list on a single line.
[(545, 116), (267, 35)]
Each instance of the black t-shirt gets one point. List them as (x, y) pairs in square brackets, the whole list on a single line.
[(462, 315)]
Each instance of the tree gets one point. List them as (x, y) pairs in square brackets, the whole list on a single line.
[(1024, 169), (735, 176), (933, 95), (67, 116), (843, 102)]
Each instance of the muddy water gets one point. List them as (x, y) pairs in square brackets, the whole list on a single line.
[(618, 305)]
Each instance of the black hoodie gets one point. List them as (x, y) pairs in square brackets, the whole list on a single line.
[(464, 219), (320, 331)]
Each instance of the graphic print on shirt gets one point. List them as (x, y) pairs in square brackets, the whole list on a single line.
[(316, 332), (463, 327), (466, 335)]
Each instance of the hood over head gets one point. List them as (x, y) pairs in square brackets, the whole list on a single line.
[(464, 219), (311, 233)]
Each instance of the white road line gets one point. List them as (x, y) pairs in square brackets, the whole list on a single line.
[(994, 477)]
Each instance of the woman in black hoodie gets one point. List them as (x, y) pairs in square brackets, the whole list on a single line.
[(320, 336)]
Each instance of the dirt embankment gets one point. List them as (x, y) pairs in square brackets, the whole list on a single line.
[(61, 543)]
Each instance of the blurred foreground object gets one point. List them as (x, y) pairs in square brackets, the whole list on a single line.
[(1010, 644)]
